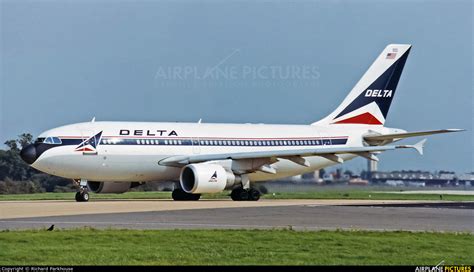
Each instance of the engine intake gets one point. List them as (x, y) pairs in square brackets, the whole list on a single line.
[(205, 178)]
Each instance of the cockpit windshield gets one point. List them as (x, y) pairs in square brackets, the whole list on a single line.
[(51, 140)]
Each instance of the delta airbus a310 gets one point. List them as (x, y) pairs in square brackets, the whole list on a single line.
[(112, 157)]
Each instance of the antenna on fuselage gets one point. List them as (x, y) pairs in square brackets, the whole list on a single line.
[(93, 119), (200, 119)]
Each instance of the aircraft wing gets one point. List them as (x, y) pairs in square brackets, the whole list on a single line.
[(293, 155), (399, 136)]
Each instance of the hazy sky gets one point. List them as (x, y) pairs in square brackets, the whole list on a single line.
[(240, 61)]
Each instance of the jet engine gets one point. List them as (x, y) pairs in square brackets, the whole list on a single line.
[(110, 187), (205, 178)]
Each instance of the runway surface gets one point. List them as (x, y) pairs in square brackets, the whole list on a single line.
[(432, 192), (218, 214)]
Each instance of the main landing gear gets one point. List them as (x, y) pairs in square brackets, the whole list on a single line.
[(181, 195), (82, 194), (241, 194), (245, 193)]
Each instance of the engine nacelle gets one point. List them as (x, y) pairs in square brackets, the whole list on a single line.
[(109, 187), (205, 178)]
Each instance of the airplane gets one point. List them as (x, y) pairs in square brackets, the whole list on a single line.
[(112, 157)]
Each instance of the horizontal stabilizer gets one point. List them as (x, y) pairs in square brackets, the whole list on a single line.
[(418, 146), (398, 136)]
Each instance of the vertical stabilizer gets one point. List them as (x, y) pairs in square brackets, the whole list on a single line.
[(369, 101)]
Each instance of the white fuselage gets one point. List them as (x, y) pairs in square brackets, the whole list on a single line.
[(132, 151)]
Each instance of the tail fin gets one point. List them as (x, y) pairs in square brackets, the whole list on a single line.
[(369, 101)]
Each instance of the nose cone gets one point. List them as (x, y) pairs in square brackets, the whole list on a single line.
[(28, 154)]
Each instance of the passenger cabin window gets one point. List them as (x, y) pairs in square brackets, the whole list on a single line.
[(52, 140)]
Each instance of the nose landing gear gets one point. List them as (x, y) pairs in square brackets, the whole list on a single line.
[(82, 194)]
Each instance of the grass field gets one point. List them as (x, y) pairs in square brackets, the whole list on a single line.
[(323, 194), (229, 247)]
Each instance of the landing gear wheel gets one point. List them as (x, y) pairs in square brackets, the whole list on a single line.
[(78, 196), (180, 195), (254, 195), (85, 196), (194, 197), (244, 195), (240, 194), (234, 195), (82, 196)]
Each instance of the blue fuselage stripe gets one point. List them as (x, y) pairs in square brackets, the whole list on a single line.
[(110, 141), (214, 142)]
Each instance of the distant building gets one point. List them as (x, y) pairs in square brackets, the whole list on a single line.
[(466, 179), (358, 181), (328, 177), (422, 178), (394, 183)]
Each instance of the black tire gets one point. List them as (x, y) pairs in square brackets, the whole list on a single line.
[(244, 195), (234, 195), (177, 195), (82, 196), (180, 195), (78, 197), (254, 195), (194, 197), (238, 193)]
